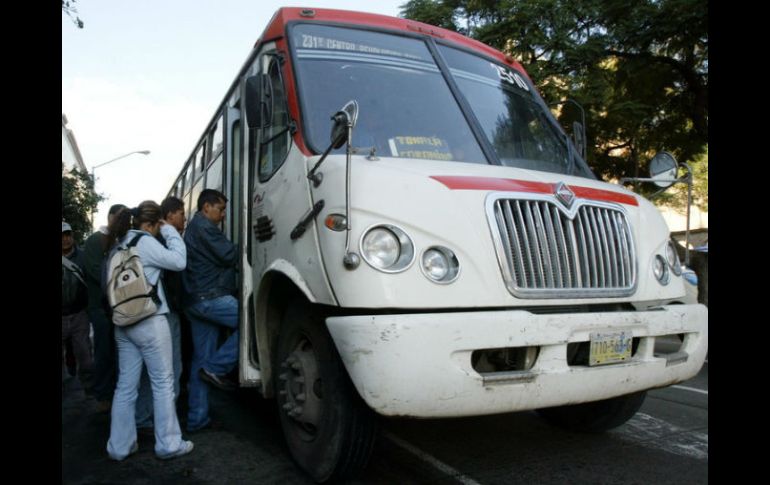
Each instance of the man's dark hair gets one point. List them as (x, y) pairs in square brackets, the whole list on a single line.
[(115, 208), (169, 205), (212, 197)]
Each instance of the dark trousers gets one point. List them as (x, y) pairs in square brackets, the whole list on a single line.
[(75, 328), (105, 356)]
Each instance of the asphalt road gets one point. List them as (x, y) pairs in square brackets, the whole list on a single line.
[(666, 442)]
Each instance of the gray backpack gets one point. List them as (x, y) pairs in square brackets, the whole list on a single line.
[(131, 297)]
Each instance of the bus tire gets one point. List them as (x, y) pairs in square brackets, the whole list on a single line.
[(329, 430), (597, 416)]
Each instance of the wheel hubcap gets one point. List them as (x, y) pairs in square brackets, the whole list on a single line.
[(301, 388)]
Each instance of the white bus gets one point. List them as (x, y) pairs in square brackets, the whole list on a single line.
[(445, 252)]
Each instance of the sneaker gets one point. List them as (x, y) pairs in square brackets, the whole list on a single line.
[(217, 381), (187, 446)]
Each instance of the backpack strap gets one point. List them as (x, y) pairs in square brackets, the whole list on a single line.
[(154, 292), (135, 240), (72, 267)]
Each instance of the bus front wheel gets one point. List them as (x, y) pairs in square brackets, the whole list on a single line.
[(328, 428)]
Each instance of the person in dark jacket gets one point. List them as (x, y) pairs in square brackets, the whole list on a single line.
[(97, 246), (209, 286), (74, 319)]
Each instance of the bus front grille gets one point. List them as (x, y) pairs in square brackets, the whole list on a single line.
[(548, 251)]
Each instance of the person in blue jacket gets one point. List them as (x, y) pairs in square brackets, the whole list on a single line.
[(209, 286)]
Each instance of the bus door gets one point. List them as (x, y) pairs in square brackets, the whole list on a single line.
[(277, 187)]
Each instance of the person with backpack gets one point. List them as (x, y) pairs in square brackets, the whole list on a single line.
[(142, 332), (74, 299), (105, 366), (172, 211)]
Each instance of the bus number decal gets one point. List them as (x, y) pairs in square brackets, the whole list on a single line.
[(510, 77)]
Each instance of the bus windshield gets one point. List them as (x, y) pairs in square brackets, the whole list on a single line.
[(407, 108), (510, 113)]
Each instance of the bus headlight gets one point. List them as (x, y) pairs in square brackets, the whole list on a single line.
[(387, 248), (660, 269), (673, 258), (440, 264)]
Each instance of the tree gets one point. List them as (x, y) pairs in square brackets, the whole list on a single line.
[(78, 201), (68, 7), (640, 69)]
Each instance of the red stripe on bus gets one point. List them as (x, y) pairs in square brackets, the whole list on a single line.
[(511, 185)]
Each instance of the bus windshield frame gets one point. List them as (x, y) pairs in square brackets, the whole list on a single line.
[(446, 109)]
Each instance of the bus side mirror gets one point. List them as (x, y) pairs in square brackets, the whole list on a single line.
[(258, 113), (663, 169)]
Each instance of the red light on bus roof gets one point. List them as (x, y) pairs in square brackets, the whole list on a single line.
[(424, 30)]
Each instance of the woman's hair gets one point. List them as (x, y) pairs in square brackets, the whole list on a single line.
[(147, 211)]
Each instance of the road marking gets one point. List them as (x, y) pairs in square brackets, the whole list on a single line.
[(651, 432), (692, 389), (435, 462)]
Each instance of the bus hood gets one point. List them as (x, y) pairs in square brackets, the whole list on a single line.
[(439, 203)]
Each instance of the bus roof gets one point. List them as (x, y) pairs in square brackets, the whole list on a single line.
[(277, 27)]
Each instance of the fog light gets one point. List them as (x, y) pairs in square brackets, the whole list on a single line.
[(673, 258), (660, 269), (440, 264)]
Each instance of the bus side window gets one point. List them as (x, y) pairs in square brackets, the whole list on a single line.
[(272, 154)]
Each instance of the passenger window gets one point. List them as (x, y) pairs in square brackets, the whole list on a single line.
[(189, 209), (188, 177), (216, 140), (276, 138), (237, 139), (194, 194), (200, 160), (214, 175)]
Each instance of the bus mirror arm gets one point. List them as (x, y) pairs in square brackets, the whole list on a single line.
[(663, 173), (342, 121)]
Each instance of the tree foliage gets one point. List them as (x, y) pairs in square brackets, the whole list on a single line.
[(78, 201), (639, 69), (68, 7)]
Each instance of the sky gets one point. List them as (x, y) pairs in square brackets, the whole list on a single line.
[(148, 75)]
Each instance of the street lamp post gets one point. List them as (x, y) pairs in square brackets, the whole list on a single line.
[(94, 167)]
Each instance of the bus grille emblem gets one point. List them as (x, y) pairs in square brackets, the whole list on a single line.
[(564, 194)]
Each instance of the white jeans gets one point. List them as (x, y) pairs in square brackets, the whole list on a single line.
[(144, 404), (147, 342)]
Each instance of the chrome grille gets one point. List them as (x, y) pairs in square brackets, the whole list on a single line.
[(546, 252)]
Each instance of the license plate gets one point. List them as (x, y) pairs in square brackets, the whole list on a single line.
[(609, 348)]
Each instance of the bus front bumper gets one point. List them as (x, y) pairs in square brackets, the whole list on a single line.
[(419, 365)]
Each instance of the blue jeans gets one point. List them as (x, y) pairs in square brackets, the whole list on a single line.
[(206, 316), (147, 342), (144, 401)]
